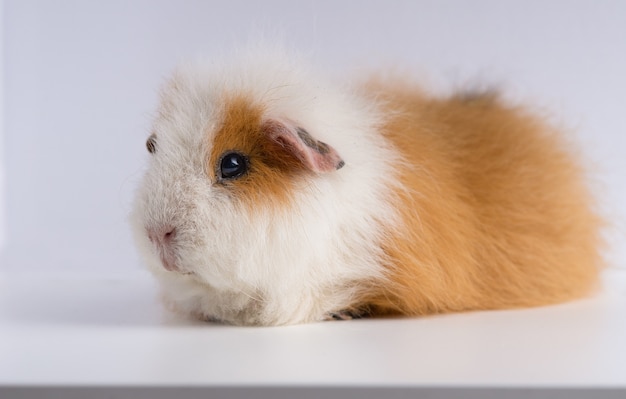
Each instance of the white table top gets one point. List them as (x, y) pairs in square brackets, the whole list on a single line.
[(84, 330)]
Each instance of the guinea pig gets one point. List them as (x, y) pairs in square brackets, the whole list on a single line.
[(273, 197)]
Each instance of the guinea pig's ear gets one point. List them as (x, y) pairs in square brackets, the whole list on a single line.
[(315, 155)]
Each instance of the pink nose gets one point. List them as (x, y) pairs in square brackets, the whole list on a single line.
[(163, 237)]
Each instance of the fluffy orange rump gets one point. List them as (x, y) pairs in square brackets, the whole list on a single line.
[(496, 212)]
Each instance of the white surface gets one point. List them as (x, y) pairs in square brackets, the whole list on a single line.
[(69, 330), (81, 81), (3, 223)]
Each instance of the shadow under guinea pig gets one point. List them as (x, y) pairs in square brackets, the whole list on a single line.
[(87, 301)]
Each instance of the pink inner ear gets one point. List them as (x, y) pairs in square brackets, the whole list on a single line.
[(315, 155)]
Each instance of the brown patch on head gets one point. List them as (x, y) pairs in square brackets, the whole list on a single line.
[(272, 172), (277, 155)]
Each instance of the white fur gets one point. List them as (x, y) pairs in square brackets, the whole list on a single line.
[(273, 266)]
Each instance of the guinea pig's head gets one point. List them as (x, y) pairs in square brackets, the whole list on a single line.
[(242, 211)]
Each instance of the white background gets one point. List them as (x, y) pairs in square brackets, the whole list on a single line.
[(80, 78)]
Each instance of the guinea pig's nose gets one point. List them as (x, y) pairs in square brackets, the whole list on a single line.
[(162, 235)]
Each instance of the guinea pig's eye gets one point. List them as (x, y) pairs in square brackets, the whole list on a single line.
[(232, 165), (151, 143)]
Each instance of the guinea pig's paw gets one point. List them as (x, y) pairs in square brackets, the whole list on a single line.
[(206, 318), (346, 314)]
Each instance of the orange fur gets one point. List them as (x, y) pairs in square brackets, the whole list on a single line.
[(273, 170), (495, 209)]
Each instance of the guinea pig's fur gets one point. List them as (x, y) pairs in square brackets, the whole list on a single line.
[(372, 200)]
